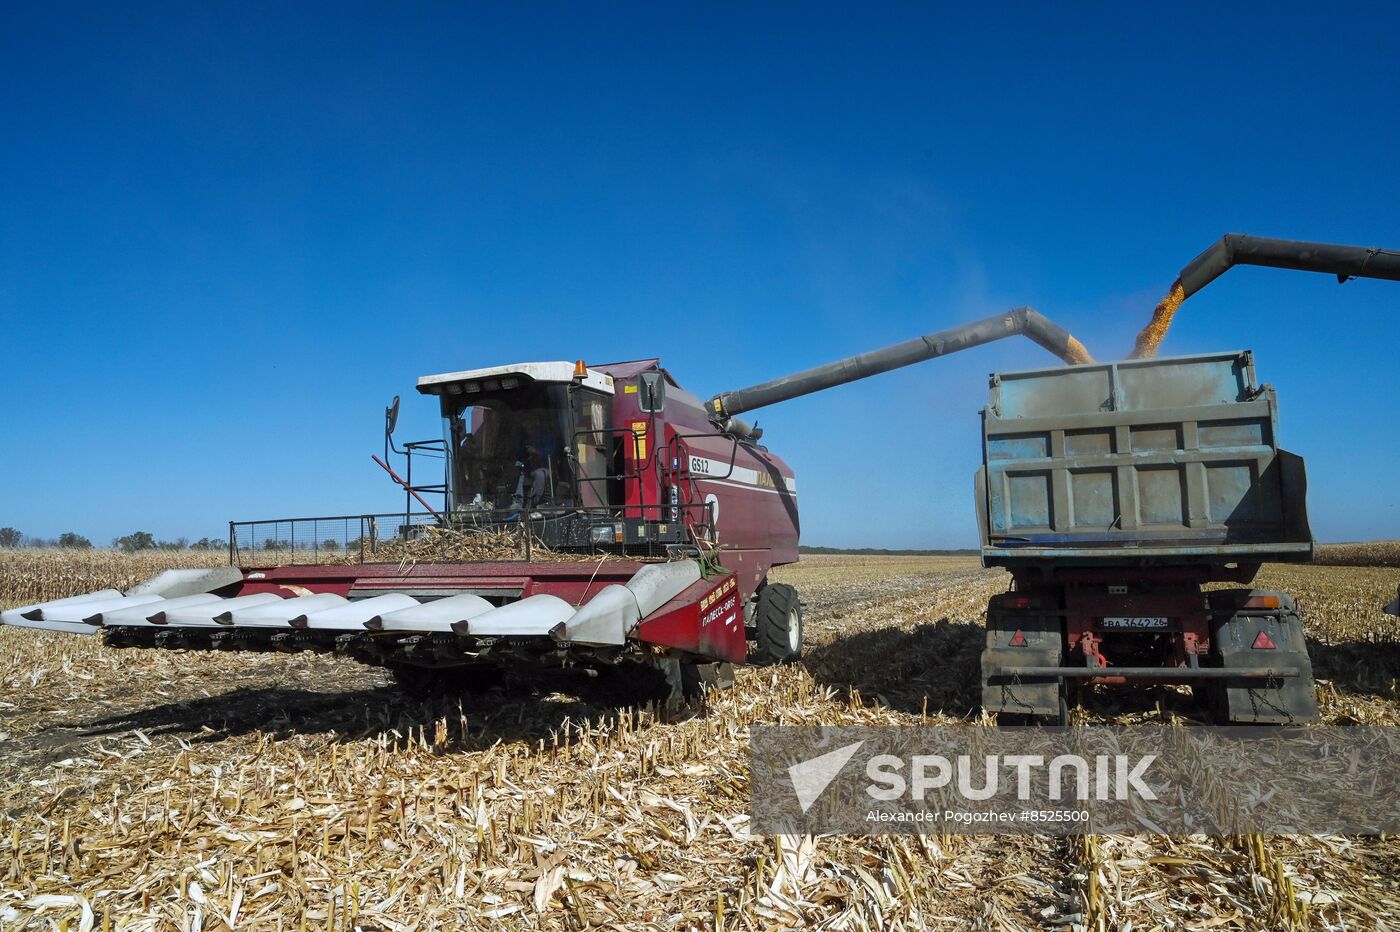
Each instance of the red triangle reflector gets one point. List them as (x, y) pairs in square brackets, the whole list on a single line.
[(1264, 642), (1018, 640)]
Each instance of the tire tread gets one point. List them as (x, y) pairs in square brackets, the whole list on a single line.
[(777, 602)]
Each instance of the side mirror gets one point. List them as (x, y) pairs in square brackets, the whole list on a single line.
[(391, 417), (653, 391)]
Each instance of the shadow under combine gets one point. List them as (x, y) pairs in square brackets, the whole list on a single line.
[(519, 709)]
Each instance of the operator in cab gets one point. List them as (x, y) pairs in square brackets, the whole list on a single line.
[(533, 486)]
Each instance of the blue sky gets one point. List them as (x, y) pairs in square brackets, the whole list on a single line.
[(229, 234)]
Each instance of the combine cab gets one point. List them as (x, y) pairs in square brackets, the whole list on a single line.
[(615, 459)]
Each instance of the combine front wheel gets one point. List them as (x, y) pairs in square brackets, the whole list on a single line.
[(778, 624)]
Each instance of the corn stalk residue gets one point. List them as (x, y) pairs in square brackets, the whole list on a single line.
[(258, 791), (1151, 336)]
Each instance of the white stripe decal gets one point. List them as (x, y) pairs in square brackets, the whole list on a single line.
[(740, 485), (702, 468)]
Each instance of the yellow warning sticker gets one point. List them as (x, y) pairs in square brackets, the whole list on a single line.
[(639, 431)]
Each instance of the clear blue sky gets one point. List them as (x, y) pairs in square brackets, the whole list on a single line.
[(229, 234)]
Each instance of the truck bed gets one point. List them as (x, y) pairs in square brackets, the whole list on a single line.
[(1171, 460)]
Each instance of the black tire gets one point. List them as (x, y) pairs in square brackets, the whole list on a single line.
[(778, 624), (445, 682)]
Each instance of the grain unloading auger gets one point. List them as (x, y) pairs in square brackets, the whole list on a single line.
[(670, 513), (1114, 492), (1234, 249)]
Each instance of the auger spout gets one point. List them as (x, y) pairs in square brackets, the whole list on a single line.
[(1234, 249), (1238, 249)]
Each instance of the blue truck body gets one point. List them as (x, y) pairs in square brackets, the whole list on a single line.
[(1169, 460)]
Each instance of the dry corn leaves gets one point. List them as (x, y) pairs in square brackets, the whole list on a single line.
[(166, 790), (29, 576)]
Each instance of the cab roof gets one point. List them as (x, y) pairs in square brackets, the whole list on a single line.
[(455, 383)]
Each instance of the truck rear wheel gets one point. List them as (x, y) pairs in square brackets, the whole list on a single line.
[(778, 624)]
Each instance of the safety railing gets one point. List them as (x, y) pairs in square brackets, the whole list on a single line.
[(370, 538), (685, 498), (436, 452), (336, 539)]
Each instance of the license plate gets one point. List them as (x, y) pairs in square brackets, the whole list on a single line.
[(1156, 623)]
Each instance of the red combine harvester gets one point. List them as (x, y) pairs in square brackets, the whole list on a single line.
[(616, 460)]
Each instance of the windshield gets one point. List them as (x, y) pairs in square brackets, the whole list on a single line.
[(510, 449)]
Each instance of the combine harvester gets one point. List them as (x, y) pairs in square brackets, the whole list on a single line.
[(686, 509), (690, 512)]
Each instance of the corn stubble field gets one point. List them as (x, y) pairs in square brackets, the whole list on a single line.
[(165, 790)]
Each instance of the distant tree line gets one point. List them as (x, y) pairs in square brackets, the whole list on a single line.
[(129, 543), (137, 541), (273, 543), (11, 538)]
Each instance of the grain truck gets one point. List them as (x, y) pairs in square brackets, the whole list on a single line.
[(1132, 503), (1115, 494)]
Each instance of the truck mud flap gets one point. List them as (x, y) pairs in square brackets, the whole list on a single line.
[(1016, 694), (1016, 639), (1251, 640)]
